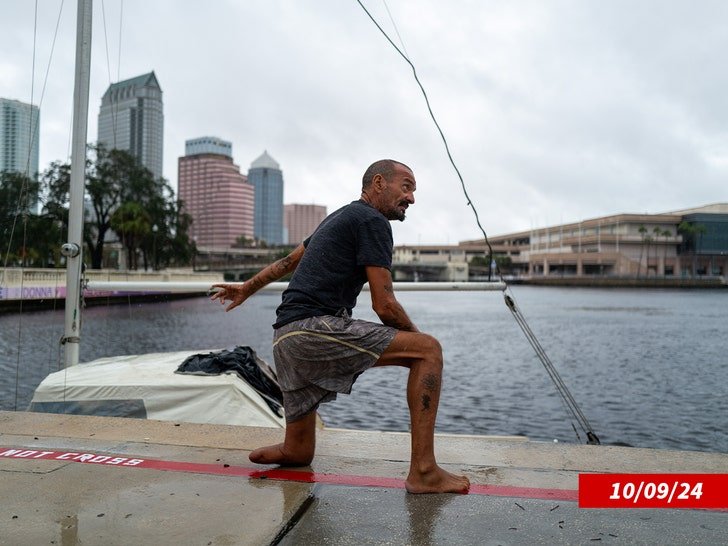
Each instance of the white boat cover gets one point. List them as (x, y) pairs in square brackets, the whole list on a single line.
[(147, 386)]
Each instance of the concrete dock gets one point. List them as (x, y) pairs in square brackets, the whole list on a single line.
[(96, 480)]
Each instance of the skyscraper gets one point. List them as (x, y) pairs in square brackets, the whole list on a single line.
[(19, 137), (267, 178), (214, 193), (132, 119), (302, 220)]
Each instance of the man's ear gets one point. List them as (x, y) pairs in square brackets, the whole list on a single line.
[(378, 183)]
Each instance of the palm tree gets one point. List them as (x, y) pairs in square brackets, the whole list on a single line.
[(657, 233), (692, 232), (700, 230), (643, 233), (132, 222), (666, 233)]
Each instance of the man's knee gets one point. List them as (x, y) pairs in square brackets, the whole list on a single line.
[(431, 347), (432, 350), (410, 347)]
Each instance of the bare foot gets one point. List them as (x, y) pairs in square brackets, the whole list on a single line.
[(436, 480), (276, 455)]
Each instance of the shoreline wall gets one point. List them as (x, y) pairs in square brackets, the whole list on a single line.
[(49, 285)]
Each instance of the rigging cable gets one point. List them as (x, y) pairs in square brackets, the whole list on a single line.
[(23, 196), (23, 204), (115, 102), (566, 398), (34, 125)]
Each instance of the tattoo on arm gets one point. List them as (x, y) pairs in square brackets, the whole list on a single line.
[(256, 283), (405, 326), (385, 303), (272, 273), (283, 265), (401, 321)]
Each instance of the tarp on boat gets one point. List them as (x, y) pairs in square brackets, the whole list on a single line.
[(243, 361), (146, 386)]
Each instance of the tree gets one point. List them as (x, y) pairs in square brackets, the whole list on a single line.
[(14, 210), (244, 242), (666, 233), (107, 173), (692, 238), (483, 264), (27, 239), (656, 231), (113, 179), (643, 233), (131, 221), (176, 246)]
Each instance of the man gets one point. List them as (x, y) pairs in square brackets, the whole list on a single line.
[(320, 351)]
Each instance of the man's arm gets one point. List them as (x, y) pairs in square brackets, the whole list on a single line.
[(238, 293), (384, 303)]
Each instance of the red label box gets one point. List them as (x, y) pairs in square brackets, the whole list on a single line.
[(653, 491)]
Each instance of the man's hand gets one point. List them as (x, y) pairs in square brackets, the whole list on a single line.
[(233, 292)]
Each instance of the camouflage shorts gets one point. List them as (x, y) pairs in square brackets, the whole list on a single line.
[(318, 357)]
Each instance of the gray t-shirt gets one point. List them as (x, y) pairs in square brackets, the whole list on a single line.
[(331, 272)]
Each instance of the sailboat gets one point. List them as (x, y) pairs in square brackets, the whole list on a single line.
[(154, 386)]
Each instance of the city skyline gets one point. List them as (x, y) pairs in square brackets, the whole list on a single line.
[(553, 113), (19, 137)]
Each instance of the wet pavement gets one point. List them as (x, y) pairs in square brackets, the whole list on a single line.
[(91, 480), (369, 516)]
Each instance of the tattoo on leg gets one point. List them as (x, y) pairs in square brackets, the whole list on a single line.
[(430, 382)]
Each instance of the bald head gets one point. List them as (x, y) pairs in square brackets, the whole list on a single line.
[(385, 167), (389, 187)]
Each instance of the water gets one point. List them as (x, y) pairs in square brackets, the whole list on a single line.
[(648, 368)]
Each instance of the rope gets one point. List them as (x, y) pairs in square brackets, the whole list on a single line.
[(24, 197), (115, 103), (439, 130), (568, 400), (566, 397)]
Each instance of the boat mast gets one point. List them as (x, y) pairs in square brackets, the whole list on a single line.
[(73, 249)]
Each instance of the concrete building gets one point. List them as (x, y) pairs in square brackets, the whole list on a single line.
[(686, 243), (430, 263), (215, 193), (131, 118), (19, 137), (690, 243), (300, 221), (267, 178)]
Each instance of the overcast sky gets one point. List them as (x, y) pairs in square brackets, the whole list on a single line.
[(555, 111)]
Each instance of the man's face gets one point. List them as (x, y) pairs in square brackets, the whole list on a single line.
[(399, 193)]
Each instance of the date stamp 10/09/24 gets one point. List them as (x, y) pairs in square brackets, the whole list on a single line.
[(707, 491)]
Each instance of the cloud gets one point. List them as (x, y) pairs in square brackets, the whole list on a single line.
[(553, 112)]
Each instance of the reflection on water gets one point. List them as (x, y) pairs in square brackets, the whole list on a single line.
[(648, 368)]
